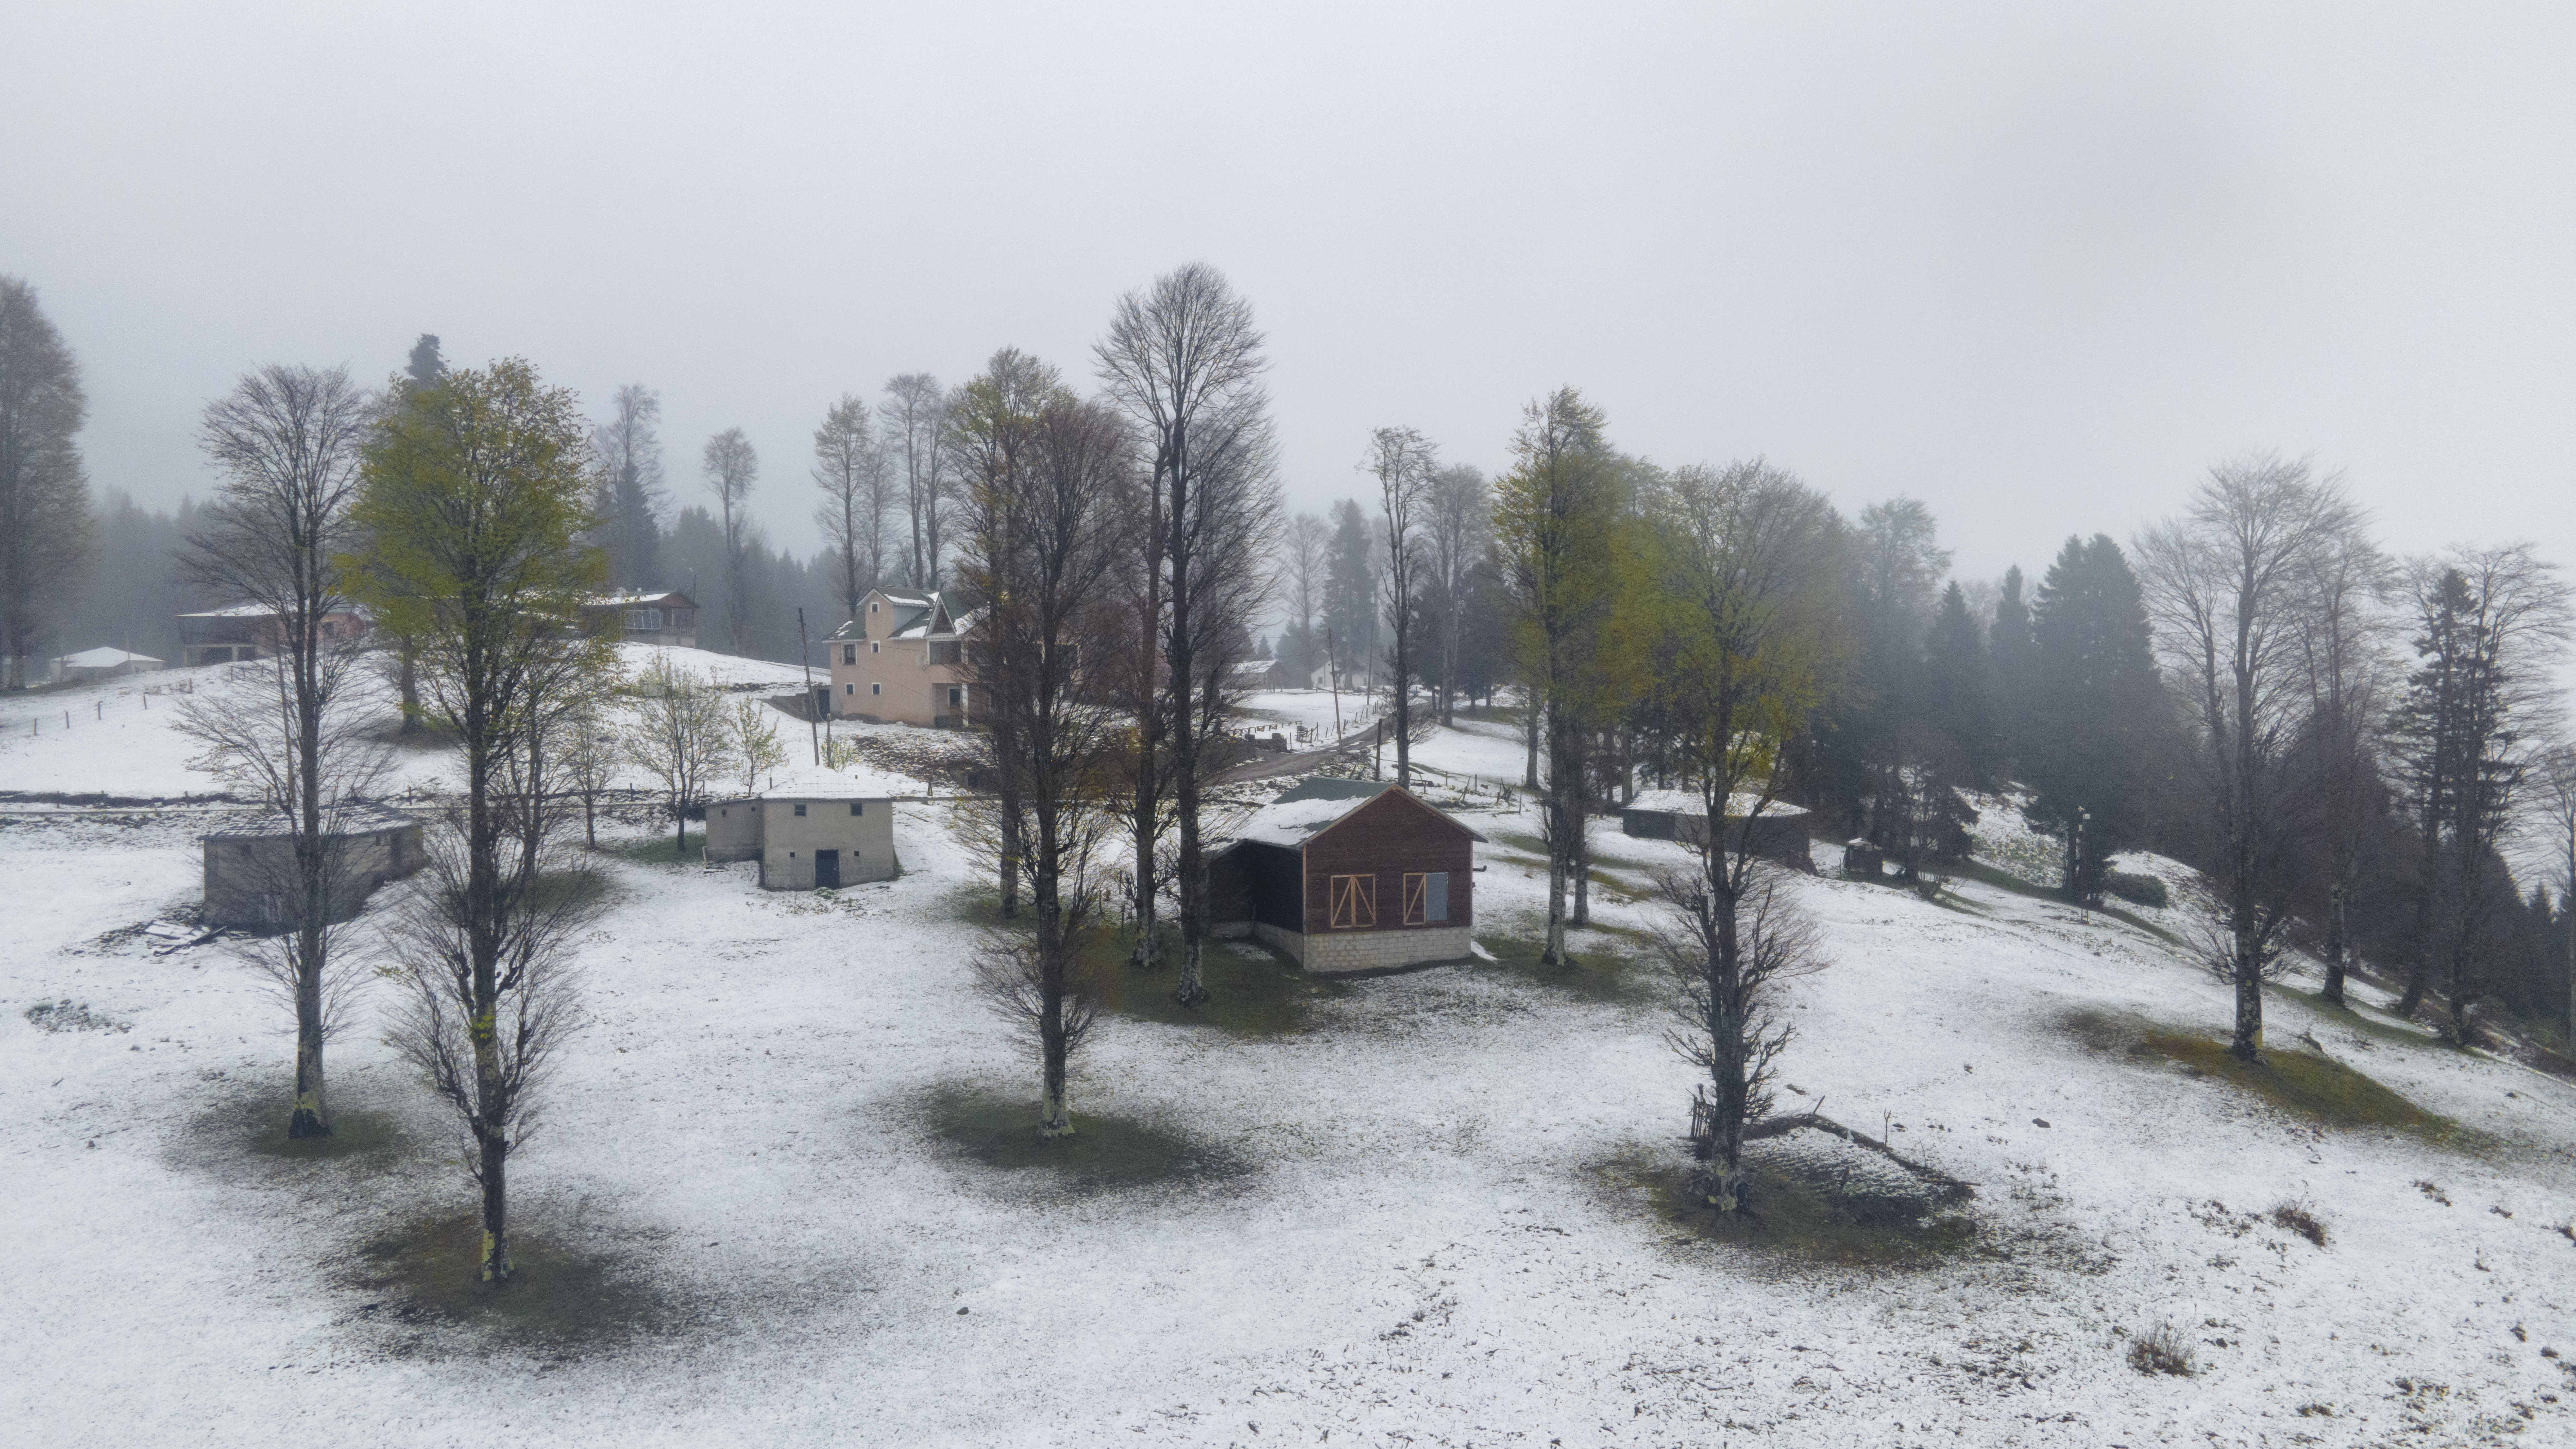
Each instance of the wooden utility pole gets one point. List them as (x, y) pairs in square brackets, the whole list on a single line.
[(805, 652)]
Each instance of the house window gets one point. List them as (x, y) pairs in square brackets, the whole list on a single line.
[(849, 689), (800, 809), (872, 608), (956, 695), (680, 618), (857, 808), (644, 620), (873, 649), (1353, 899), (943, 651), (1426, 897), (849, 654), (876, 689)]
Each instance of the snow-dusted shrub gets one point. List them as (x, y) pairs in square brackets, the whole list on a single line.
[(2137, 890), (2162, 1350)]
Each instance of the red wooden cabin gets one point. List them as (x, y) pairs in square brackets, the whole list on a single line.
[(1345, 875)]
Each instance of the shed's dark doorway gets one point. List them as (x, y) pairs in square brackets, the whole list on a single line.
[(827, 870)]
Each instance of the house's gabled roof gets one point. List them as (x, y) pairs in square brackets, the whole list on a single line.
[(1317, 804), (917, 614), (638, 598), (1689, 802)]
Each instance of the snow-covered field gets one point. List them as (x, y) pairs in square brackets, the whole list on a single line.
[(1427, 1247)]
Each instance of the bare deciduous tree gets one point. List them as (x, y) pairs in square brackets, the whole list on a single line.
[(286, 442), (1184, 360), (1043, 547), (913, 426), (44, 495), (2229, 587), (850, 468), (1402, 461), (1747, 639), (630, 507), (485, 1038), (1726, 960), (1455, 529), (2343, 650), (2558, 839), (1305, 547), (732, 465)]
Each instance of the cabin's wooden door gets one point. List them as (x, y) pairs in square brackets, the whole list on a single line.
[(827, 870)]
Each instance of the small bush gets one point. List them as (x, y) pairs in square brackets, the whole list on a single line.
[(2299, 1218), (2137, 890), (2162, 1351)]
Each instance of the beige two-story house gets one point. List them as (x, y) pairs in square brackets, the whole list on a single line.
[(903, 659)]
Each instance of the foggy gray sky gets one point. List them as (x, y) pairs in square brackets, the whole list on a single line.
[(2036, 265)]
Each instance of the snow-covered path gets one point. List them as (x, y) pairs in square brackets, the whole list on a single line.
[(1427, 1249)]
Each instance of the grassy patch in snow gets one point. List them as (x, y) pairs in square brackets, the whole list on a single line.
[(427, 1273), (1800, 1214), (1104, 1154), (2383, 1027), (2311, 1085), (1600, 971), (248, 1128), (657, 849), (1984, 874), (1253, 990)]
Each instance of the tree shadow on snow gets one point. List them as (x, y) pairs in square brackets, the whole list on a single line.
[(422, 1278), (1809, 1203), (998, 1136)]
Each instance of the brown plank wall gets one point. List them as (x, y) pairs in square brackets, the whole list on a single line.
[(1391, 837)]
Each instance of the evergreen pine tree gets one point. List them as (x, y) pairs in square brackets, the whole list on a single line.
[(2094, 727)]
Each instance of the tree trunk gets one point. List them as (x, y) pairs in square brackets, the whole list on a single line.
[(2248, 1043), (1011, 830), (312, 1116), (1148, 955), (1725, 1183), (1529, 771), (1403, 708), (495, 1263), (1554, 952), (407, 676), (2335, 944)]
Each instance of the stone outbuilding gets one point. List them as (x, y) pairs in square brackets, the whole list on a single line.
[(251, 875), (810, 830), (1779, 834), (1347, 875)]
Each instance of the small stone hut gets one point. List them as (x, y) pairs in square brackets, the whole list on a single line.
[(1780, 834), (1346, 875), (250, 866), (810, 830)]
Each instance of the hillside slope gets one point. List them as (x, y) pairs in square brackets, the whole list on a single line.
[(1415, 1219)]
